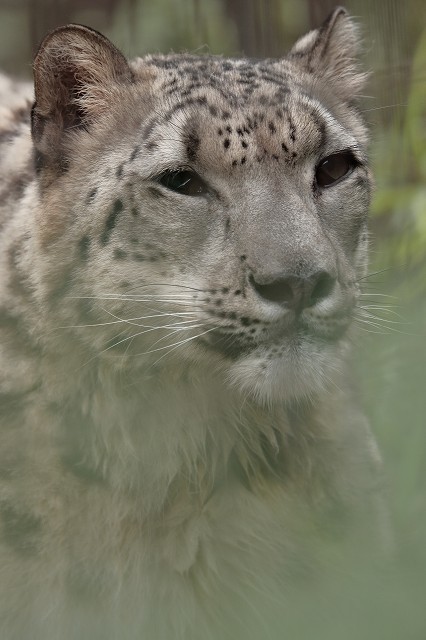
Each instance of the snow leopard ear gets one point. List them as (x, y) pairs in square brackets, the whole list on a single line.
[(330, 52), (76, 73)]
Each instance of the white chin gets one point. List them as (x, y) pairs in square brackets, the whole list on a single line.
[(299, 372)]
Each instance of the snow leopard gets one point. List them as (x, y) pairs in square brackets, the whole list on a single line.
[(183, 243)]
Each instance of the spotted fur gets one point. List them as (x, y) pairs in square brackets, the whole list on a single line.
[(178, 432)]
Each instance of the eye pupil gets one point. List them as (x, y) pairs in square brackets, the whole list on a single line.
[(334, 168), (183, 181)]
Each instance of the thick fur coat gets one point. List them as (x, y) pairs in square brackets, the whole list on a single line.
[(182, 244)]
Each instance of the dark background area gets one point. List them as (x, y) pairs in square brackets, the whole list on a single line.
[(391, 354)]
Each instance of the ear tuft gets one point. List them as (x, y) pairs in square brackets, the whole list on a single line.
[(331, 52), (76, 73)]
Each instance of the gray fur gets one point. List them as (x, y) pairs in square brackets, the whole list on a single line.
[(170, 432)]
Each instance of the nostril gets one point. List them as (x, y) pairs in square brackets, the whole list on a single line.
[(279, 291), (322, 284), (296, 292)]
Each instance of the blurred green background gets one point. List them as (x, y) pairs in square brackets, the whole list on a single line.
[(391, 354)]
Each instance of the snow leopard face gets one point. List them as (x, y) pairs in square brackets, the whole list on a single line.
[(205, 208)]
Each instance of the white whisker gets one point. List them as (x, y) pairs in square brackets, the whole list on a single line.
[(134, 298), (195, 326), (373, 316), (137, 324), (178, 344), (130, 321), (387, 308), (386, 330), (383, 295)]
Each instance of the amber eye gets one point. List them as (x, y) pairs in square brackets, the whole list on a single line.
[(334, 168), (183, 181)]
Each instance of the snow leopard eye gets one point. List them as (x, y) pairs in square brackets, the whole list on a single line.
[(183, 181), (335, 167)]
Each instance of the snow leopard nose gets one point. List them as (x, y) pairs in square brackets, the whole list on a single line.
[(296, 292)]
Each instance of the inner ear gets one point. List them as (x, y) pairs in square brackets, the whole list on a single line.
[(76, 74), (69, 86)]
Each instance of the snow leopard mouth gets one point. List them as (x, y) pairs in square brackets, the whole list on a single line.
[(235, 345)]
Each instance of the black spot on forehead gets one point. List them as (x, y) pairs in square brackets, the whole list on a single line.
[(239, 98)]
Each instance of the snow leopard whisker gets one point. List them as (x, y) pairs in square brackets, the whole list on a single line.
[(156, 306), (376, 304), (166, 284), (372, 274), (130, 321), (386, 106), (380, 333), (174, 331), (385, 329), (384, 308), (130, 338), (364, 316), (382, 295), (133, 336), (147, 298), (368, 314), (175, 346), (136, 298), (180, 303), (388, 312), (161, 315), (175, 325), (155, 314)]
